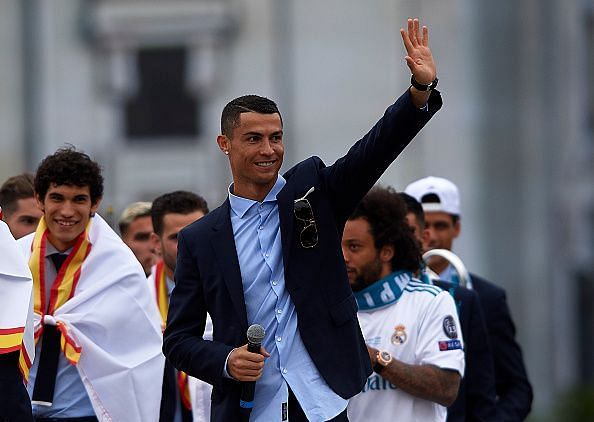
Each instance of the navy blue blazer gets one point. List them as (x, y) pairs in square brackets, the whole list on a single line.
[(476, 396), (208, 277), (514, 392)]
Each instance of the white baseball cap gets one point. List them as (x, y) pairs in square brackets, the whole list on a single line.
[(446, 192)]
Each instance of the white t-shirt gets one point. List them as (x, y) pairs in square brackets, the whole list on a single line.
[(422, 327)]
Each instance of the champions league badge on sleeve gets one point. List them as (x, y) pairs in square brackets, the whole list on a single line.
[(449, 345), (449, 327), (399, 336)]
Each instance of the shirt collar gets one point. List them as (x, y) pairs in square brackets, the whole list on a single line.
[(51, 249), (241, 206)]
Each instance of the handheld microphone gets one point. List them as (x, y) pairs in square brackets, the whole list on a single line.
[(255, 335)]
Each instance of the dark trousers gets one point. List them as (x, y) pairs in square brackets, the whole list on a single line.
[(296, 412), (15, 405)]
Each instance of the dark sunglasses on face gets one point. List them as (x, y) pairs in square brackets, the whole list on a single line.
[(303, 212)]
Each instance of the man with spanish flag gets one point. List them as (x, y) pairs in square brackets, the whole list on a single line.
[(184, 399), (97, 332), (16, 330)]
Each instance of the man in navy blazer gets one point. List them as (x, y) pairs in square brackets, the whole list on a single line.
[(271, 255), (441, 203), (476, 396)]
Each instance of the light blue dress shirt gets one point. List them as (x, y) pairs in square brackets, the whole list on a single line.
[(256, 228), (70, 396)]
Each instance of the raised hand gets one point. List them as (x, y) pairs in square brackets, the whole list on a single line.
[(419, 58)]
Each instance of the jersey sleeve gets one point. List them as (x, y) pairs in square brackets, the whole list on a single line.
[(440, 337)]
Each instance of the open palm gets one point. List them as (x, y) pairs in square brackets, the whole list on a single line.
[(419, 58)]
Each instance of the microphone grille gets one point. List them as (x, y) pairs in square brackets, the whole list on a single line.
[(255, 334)]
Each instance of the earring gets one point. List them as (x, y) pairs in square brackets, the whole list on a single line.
[(226, 152)]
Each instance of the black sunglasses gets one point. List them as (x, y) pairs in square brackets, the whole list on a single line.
[(303, 212)]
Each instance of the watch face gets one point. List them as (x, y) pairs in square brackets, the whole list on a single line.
[(385, 357)]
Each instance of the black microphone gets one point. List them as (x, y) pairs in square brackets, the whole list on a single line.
[(255, 335)]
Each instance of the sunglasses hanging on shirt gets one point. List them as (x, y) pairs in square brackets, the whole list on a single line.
[(304, 212)]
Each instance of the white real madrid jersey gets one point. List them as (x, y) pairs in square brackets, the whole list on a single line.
[(422, 327)]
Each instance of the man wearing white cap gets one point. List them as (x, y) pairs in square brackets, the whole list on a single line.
[(441, 204)]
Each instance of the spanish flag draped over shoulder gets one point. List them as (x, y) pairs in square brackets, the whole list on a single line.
[(62, 289), (111, 329), (16, 302)]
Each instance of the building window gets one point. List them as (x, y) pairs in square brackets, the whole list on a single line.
[(162, 107)]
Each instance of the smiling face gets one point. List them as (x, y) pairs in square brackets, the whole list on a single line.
[(67, 210), (255, 152), (25, 218)]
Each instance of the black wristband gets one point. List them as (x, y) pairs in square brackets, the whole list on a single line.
[(422, 87), (378, 368)]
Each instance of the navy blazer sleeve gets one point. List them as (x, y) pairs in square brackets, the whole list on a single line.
[(351, 176), (187, 314)]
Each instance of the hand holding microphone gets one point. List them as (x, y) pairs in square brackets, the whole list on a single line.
[(246, 363)]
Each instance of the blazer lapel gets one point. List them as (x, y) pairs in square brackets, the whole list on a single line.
[(224, 246), (285, 200)]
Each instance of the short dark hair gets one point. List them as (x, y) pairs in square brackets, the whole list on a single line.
[(431, 198), (178, 202), (413, 206), (385, 212), (245, 104), (70, 167), (15, 188)]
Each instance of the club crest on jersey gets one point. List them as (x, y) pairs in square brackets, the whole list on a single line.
[(449, 327), (399, 336)]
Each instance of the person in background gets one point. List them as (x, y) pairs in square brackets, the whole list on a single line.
[(136, 228), (17, 346), (99, 336), (476, 397), (411, 329), (170, 213), (441, 204), (18, 207)]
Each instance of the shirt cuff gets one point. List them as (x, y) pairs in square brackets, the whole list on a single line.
[(225, 372)]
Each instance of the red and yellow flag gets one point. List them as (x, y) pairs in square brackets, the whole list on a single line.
[(161, 291), (64, 284), (25, 363), (11, 339)]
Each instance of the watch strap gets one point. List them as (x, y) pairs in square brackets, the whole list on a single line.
[(423, 87), (378, 367)]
